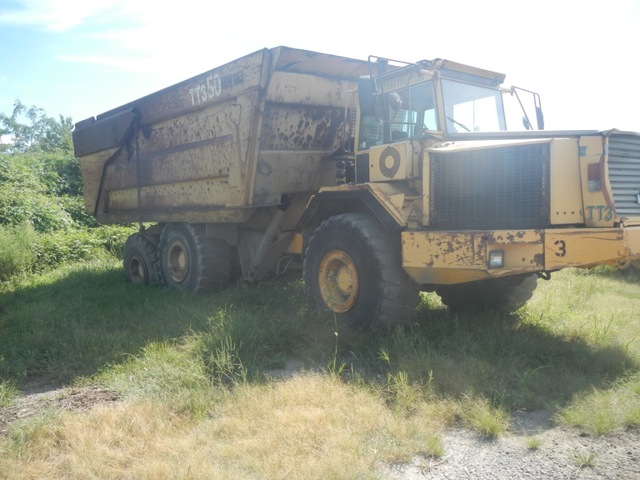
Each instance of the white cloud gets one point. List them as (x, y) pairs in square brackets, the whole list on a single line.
[(129, 64), (57, 16)]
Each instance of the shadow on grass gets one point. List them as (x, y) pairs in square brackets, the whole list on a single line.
[(89, 319), (514, 361)]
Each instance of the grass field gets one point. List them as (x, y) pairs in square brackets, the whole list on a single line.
[(201, 400)]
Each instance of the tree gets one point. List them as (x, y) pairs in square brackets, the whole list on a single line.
[(40, 181), (31, 130)]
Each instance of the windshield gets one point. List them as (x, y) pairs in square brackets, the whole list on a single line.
[(472, 108)]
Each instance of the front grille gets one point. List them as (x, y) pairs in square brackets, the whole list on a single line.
[(492, 188), (624, 173)]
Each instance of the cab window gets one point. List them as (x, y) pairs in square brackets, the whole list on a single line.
[(408, 113)]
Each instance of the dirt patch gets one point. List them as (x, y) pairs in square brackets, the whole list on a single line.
[(561, 453), (39, 399)]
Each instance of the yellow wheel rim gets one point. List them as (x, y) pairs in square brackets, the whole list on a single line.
[(338, 281)]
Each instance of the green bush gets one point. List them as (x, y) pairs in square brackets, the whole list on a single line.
[(63, 246), (74, 207), (113, 237), (16, 249), (30, 189), (42, 215), (61, 174), (19, 205)]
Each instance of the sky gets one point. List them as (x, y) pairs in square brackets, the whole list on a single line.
[(79, 58)]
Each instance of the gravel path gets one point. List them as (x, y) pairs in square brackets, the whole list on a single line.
[(561, 454)]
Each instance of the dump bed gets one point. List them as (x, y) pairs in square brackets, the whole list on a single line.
[(218, 146)]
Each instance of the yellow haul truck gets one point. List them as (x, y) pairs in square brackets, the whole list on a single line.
[(380, 178)]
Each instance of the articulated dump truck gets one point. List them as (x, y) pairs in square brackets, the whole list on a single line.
[(380, 179)]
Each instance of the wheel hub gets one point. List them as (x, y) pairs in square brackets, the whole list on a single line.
[(338, 281), (178, 261), (138, 271)]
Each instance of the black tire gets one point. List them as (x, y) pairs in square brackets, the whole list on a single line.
[(504, 295), (353, 272), (140, 260), (192, 262)]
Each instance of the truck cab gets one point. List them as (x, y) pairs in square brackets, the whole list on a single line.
[(484, 204)]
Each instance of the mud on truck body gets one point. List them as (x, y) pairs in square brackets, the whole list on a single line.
[(380, 178)]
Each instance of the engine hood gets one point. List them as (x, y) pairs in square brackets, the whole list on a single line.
[(463, 141)]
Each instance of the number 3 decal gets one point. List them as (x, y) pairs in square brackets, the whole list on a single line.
[(562, 248)]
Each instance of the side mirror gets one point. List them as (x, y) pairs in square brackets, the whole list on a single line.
[(366, 96), (540, 117)]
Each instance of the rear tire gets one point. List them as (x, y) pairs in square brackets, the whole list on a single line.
[(504, 295), (353, 273), (140, 260), (192, 262)]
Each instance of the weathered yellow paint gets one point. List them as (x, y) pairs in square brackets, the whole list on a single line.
[(632, 242), (583, 247), (91, 167), (598, 207), (397, 200), (296, 245), (304, 89), (453, 257), (426, 187), (444, 276), (386, 194), (193, 194), (383, 166), (566, 187)]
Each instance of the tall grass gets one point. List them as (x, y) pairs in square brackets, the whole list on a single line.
[(8, 392), (200, 400), (23, 250), (16, 249)]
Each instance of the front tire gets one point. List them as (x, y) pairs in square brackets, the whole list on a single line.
[(353, 272), (503, 295), (192, 262)]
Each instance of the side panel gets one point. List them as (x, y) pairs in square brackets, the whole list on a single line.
[(245, 135), (305, 120), (194, 161), (455, 257), (92, 168), (193, 148), (580, 248), (391, 162), (566, 192), (599, 210)]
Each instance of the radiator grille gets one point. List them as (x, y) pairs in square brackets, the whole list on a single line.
[(494, 188), (624, 173)]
